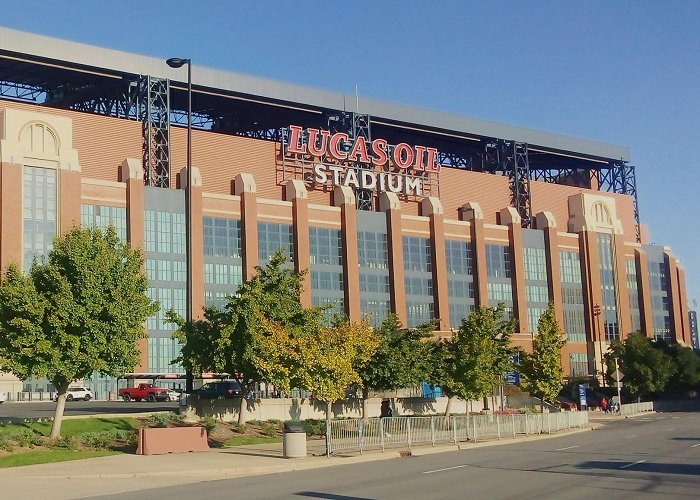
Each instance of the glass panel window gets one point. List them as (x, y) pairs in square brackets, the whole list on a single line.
[(273, 237), (498, 261), (40, 208), (326, 246), (416, 254)]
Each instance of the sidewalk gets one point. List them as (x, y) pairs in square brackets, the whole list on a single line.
[(123, 473)]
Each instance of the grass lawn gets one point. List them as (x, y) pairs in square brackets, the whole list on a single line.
[(49, 456), (74, 427), (243, 440)]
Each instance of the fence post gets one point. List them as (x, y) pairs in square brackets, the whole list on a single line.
[(527, 428), (474, 420), (360, 433), (512, 420), (454, 428), (408, 431), (498, 426), (381, 432), (432, 430), (549, 424)]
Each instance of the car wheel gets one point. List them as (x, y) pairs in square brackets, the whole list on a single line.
[(138, 400), (220, 397), (151, 398), (126, 398), (87, 397), (69, 397)]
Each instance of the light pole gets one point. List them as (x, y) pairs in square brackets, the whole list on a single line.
[(596, 315), (176, 62)]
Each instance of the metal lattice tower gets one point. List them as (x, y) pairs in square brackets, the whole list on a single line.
[(361, 128), (619, 177), (153, 99), (511, 158)]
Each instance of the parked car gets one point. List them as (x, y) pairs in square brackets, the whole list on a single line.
[(147, 392), (174, 395), (77, 393), (224, 389)]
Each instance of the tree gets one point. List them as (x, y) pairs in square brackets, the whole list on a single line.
[(542, 372), (647, 369), (477, 356), (686, 362), (226, 340), (81, 311), (321, 361), (401, 359)]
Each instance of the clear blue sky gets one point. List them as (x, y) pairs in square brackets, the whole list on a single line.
[(621, 72)]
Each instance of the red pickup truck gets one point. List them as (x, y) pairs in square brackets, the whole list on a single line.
[(148, 392)]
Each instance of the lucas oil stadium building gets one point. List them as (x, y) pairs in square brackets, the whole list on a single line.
[(390, 208)]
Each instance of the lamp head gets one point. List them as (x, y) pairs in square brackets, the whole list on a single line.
[(177, 62)]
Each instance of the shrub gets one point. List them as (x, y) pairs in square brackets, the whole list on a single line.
[(163, 419), (5, 444), (27, 438), (315, 427), (239, 428), (269, 429), (62, 443), (209, 424), (99, 440)]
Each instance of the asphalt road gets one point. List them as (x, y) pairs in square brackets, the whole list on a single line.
[(657, 456), (18, 411)]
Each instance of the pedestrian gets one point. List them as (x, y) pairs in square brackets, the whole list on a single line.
[(385, 409), (604, 405)]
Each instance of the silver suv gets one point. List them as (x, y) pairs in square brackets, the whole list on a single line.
[(74, 393)]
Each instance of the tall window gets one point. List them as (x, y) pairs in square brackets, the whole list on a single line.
[(536, 283), (460, 282), (40, 207), (167, 272), (660, 286), (326, 256), (223, 262), (607, 280), (418, 280), (103, 216), (572, 296), (373, 258), (272, 237), (499, 272), (633, 291)]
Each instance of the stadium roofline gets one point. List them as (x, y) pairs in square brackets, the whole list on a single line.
[(109, 62)]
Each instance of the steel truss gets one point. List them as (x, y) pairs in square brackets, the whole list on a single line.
[(619, 177), (21, 92), (510, 158), (361, 128), (153, 104)]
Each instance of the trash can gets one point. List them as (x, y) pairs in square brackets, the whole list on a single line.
[(294, 440)]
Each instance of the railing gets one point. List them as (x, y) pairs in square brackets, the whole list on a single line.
[(634, 408), (381, 433)]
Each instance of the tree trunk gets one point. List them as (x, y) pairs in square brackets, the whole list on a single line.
[(58, 413), (448, 408), (328, 427), (243, 413), (365, 396)]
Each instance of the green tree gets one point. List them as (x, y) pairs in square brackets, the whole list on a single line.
[(401, 359), (81, 311), (226, 339), (542, 372), (647, 369), (477, 356), (686, 364)]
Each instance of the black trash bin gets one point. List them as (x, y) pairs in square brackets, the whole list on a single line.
[(294, 440)]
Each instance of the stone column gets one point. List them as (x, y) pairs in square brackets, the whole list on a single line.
[(244, 186), (344, 198), (11, 215), (472, 213), (295, 191), (509, 217), (546, 222), (432, 208), (196, 224), (131, 173)]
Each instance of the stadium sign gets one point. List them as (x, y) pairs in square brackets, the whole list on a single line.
[(339, 160)]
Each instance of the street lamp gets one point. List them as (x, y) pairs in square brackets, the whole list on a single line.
[(176, 62), (596, 315)]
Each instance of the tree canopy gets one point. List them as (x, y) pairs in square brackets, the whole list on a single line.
[(477, 356), (81, 311), (647, 370), (542, 371)]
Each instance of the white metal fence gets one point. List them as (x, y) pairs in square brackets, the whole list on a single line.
[(382, 433), (633, 408)]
